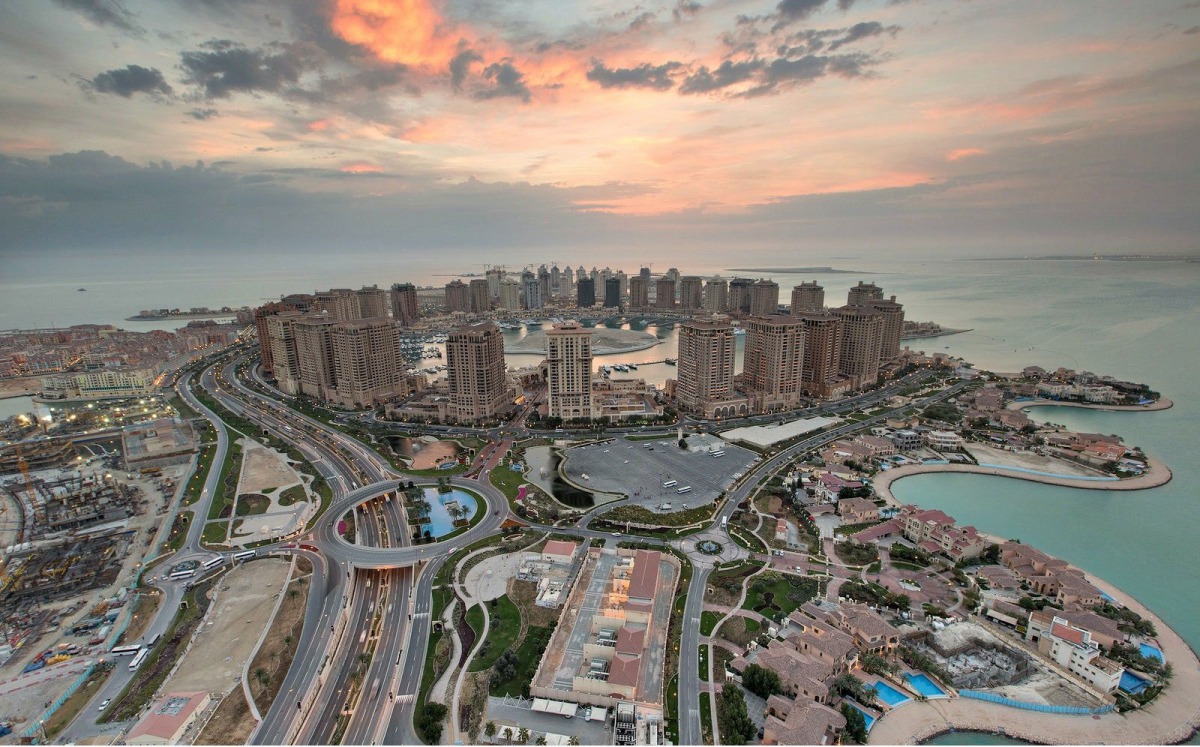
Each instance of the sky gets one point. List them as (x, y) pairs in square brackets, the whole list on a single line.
[(686, 128)]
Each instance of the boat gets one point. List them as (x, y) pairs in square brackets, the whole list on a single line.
[(83, 290), (670, 361), (632, 367)]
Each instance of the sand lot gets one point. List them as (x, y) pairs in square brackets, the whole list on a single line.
[(1029, 460), (225, 642), (263, 469)]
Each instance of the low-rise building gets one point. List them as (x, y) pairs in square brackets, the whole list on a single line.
[(168, 719), (858, 510), (798, 722), (944, 440), (1074, 650)]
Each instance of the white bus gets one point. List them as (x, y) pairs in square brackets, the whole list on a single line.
[(213, 562), (244, 555), (670, 483), (685, 489), (718, 454), (137, 660), (181, 575), (126, 650), (724, 521)]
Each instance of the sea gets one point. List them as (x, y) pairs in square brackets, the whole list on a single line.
[(1138, 320)]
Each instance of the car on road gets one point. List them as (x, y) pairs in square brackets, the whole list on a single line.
[(104, 704), (616, 534)]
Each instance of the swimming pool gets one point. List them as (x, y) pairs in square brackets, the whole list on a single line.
[(890, 695), (1133, 684), (1151, 652), (922, 684), (866, 716)]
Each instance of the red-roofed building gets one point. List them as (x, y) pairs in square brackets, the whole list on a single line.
[(559, 551), (1075, 651), (630, 641), (623, 674), (643, 582), (168, 718)]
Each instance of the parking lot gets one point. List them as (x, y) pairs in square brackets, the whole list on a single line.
[(639, 470)]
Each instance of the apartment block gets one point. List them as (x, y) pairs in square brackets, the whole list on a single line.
[(569, 371)]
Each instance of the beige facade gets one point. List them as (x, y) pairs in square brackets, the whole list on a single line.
[(706, 352), (481, 300), (862, 293), (821, 367), (510, 295), (639, 292), (404, 304), (808, 297), (282, 342), (773, 362), (458, 297), (569, 371), (893, 326), (862, 340), (317, 374), (716, 296), (475, 363), (665, 294), (764, 298), (691, 293), (368, 366)]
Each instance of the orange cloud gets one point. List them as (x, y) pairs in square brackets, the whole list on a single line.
[(960, 153), (412, 32), (361, 167)]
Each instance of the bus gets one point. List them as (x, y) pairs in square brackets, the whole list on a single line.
[(685, 489), (126, 650), (137, 660), (670, 483), (246, 555), (724, 521), (718, 454), (181, 575), (213, 562), (154, 640)]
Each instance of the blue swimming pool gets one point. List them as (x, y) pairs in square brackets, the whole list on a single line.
[(890, 695), (1132, 684), (866, 716), (922, 684), (440, 522), (1151, 652)]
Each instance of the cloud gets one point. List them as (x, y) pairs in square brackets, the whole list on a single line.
[(129, 80), (223, 68), (791, 11), (202, 114), (104, 13), (460, 66), (685, 9), (509, 81), (728, 73), (657, 77), (863, 30)]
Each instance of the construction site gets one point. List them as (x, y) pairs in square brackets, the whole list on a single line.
[(52, 506)]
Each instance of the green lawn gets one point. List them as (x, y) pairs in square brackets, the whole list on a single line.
[(179, 531), (706, 716), (475, 620), (215, 532), (440, 596), (785, 594), (196, 484), (227, 485), (708, 621), (507, 481), (703, 663), (252, 504), (504, 626), (292, 494), (529, 654), (672, 703)]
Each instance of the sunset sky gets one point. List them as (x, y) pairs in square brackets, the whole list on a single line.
[(713, 125)]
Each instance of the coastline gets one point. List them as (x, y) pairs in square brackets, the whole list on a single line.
[(596, 351), (1157, 474), (1161, 404)]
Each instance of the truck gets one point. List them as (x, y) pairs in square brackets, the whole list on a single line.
[(724, 522)]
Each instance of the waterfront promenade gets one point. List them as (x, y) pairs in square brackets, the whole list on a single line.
[(1160, 404)]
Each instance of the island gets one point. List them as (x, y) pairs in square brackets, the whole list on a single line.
[(199, 312)]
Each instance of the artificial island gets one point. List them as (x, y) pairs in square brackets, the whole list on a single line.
[(350, 518)]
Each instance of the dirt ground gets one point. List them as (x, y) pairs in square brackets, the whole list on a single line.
[(1029, 460), (231, 723), (430, 455), (489, 578), (263, 469), (244, 603), (18, 387)]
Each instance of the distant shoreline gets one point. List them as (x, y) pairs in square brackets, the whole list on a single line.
[(800, 270), (1161, 403)]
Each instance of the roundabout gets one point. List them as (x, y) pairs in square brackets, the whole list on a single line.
[(709, 547)]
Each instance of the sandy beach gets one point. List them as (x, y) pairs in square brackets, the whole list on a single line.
[(1161, 404)]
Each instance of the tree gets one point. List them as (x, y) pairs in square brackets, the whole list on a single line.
[(489, 729), (573, 740), (261, 677), (735, 724), (856, 725), (761, 681), (522, 735), (540, 740)]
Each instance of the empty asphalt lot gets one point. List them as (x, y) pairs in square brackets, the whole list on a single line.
[(630, 468)]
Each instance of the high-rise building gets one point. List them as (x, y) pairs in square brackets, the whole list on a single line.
[(372, 302), (808, 297), (295, 302), (673, 275), (739, 295), (510, 294), (475, 367), (893, 326), (281, 340), (612, 293), (665, 293), (822, 352), (458, 297), (544, 284), (764, 298), (556, 288), (404, 304), (639, 293), (623, 280), (706, 352), (568, 286), (314, 356), (773, 361), (569, 371), (691, 292), (716, 296), (368, 366), (860, 294), (531, 290), (862, 340), (494, 277), (585, 293), (340, 304), (481, 299)]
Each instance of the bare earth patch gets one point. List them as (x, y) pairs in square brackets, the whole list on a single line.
[(264, 468)]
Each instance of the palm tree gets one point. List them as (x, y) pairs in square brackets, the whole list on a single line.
[(522, 735), (489, 729), (574, 740), (540, 740), (261, 677)]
